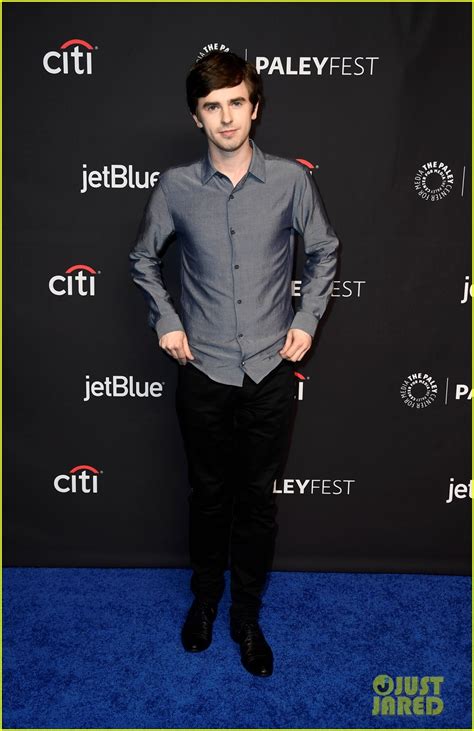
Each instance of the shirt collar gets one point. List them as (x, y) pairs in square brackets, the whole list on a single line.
[(257, 165)]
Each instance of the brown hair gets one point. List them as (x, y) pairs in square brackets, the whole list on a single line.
[(217, 70)]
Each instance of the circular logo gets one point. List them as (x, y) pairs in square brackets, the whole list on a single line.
[(418, 390), (212, 47), (383, 684), (433, 181)]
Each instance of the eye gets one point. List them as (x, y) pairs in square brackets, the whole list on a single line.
[(237, 104)]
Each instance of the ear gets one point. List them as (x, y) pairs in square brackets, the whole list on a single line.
[(198, 123), (254, 113)]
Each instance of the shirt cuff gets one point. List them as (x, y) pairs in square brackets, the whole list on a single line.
[(168, 324), (305, 321)]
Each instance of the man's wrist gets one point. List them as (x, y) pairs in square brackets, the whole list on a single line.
[(168, 324), (305, 321)]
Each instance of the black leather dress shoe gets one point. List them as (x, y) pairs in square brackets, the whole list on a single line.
[(196, 634), (255, 652)]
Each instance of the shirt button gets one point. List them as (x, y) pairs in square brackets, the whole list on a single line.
[(231, 197), (232, 231), (239, 301), (243, 363), (241, 335), (236, 266)]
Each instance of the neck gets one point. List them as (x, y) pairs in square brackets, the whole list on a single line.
[(231, 161)]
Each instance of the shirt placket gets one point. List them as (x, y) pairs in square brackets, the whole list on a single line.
[(233, 224)]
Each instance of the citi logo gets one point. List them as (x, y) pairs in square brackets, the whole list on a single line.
[(300, 379), (83, 478), (78, 279), (70, 58), (307, 164)]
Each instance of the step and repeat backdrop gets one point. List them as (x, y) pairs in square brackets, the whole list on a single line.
[(375, 99)]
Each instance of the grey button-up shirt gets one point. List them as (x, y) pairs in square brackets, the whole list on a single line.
[(237, 250)]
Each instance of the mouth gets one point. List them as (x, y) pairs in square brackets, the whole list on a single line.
[(228, 132)]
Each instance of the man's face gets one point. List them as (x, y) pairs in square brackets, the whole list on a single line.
[(226, 116)]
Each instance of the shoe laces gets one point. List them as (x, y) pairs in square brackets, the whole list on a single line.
[(201, 610), (249, 630)]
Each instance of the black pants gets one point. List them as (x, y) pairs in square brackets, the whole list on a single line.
[(236, 440)]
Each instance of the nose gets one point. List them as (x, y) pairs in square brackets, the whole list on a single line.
[(226, 117)]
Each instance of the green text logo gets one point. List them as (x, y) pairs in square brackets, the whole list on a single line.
[(407, 695)]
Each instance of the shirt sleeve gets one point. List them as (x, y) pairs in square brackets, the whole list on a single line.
[(146, 265), (320, 245)]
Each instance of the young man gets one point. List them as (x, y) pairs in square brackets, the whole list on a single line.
[(234, 213)]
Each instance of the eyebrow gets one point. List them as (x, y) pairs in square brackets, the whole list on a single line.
[(237, 99)]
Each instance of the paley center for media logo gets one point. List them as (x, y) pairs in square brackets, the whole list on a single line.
[(74, 57), (433, 181), (420, 390), (78, 279), (82, 478), (212, 47)]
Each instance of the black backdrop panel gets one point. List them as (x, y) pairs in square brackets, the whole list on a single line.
[(375, 98)]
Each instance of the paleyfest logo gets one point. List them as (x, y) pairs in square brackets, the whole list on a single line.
[(70, 59), (345, 288), (407, 695), (77, 279), (316, 65), (433, 181), (82, 478), (325, 486)]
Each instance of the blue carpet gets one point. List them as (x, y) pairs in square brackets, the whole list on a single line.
[(100, 648)]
